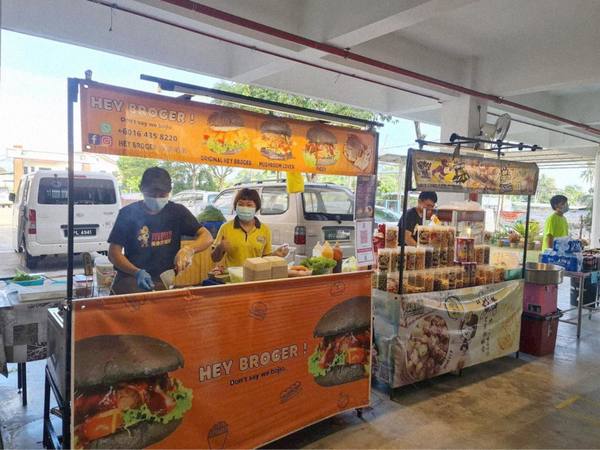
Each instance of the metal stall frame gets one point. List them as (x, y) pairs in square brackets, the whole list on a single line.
[(51, 439), (456, 142)]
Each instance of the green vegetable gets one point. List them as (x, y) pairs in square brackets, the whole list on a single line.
[(218, 145), (183, 397), (211, 214), (318, 264), (22, 276), (316, 370)]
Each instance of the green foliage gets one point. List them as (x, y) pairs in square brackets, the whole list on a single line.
[(534, 229), (546, 189), (295, 100), (184, 175)]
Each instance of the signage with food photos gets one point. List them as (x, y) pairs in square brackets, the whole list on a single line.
[(233, 366), (445, 172), (121, 121), (420, 336)]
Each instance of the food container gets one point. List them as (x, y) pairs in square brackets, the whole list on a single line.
[(82, 286), (479, 275), (498, 274), (451, 258), (293, 272), (37, 282), (451, 278), (489, 274), (428, 256), (420, 279), (379, 280), (401, 259), (257, 269), (279, 267), (444, 236), (486, 254), (443, 256), (105, 272), (391, 237), (444, 279), (411, 257), (420, 258), (435, 234), (459, 277), (435, 257), (394, 256), (428, 280), (465, 249), (383, 259), (469, 274), (451, 236), (423, 235), (437, 280), (392, 282), (539, 273), (479, 254)]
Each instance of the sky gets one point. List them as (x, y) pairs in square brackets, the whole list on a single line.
[(33, 94)]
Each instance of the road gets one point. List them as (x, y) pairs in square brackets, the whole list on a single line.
[(11, 261)]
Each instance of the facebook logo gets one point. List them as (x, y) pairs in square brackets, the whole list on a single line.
[(93, 139)]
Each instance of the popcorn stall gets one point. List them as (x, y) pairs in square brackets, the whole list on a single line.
[(440, 306)]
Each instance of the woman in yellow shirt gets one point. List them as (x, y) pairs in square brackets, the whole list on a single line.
[(245, 236)]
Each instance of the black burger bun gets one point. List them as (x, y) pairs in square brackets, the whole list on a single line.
[(141, 435), (225, 121), (352, 314), (276, 127), (107, 359), (341, 375), (320, 135)]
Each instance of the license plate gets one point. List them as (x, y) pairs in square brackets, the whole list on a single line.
[(337, 234), (82, 232)]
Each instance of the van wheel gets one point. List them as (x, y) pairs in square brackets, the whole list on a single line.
[(31, 262)]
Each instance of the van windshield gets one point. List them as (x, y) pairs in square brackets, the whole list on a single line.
[(88, 191), (327, 204)]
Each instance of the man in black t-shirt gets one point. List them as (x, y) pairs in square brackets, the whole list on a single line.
[(146, 238), (414, 217)]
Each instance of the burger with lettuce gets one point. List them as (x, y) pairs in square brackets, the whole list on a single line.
[(124, 394), (226, 135), (343, 355)]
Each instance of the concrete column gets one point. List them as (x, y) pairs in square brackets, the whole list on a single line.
[(595, 234), (460, 116)]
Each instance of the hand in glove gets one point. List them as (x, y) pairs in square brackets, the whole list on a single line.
[(144, 280), (282, 251), (183, 259)]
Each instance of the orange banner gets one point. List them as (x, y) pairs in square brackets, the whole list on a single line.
[(121, 121), (232, 366)]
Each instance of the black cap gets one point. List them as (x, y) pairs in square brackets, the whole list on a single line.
[(156, 179)]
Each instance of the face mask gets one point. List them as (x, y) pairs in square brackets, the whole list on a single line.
[(564, 208), (155, 204), (245, 213)]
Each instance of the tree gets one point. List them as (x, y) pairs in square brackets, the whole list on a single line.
[(220, 174), (546, 189), (183, 174), (574, 194)]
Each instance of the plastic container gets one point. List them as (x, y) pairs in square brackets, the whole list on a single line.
[(391, 237), (394, 256), (379, 280), (411, 257), (428, 280), (465, 249), (540, 299), (428, 256), (443, 256), (37, 282), (327, 250), (105, 272), (383, 259), (423, 235), (420, 258), (392, 282), (538, 333), (435, 257)]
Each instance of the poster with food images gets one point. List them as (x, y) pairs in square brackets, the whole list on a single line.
[(420, 336), (126, 122), (221, 367), (446, 172)]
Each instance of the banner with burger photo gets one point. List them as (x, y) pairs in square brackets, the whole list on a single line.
[(228, 367), (125, 122)]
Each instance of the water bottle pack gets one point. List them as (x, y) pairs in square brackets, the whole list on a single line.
[(565, 252)]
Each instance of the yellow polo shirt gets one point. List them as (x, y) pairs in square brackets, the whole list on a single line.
[(244, 245)]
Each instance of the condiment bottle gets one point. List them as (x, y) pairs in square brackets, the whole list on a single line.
[(327, 251), (338, 255)]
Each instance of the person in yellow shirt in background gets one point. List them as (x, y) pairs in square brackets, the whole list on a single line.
[(245, 236), (556, 224)]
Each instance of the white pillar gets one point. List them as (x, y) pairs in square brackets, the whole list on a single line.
[(595, 234), (462, 116)]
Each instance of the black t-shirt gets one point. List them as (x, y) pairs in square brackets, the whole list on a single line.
[(412, 220), (151, 241)]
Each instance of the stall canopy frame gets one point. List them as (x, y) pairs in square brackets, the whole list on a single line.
[(51, 438), (456, 142)]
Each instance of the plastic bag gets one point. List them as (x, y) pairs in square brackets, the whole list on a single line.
[(350, 264), (295, 182)]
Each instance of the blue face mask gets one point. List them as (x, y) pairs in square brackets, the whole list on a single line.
[(155, 204), (245, 213), (565, 208)]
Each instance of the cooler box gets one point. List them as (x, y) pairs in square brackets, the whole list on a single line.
[(540, 299), (538, 333)]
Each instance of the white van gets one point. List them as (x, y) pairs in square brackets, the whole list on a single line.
[(40, 213), (195, 201), (322, 212)]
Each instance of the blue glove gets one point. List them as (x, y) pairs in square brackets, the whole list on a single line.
[(144, 280)]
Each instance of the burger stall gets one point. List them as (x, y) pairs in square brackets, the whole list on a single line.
[(233, 365), (440, 306)]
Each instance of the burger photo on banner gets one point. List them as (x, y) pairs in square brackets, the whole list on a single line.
[(124, 394), (321, 147), (226, 134), (275, 140), (357, 153), (343, 355)]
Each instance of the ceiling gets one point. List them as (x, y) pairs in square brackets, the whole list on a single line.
[(539, 53)]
